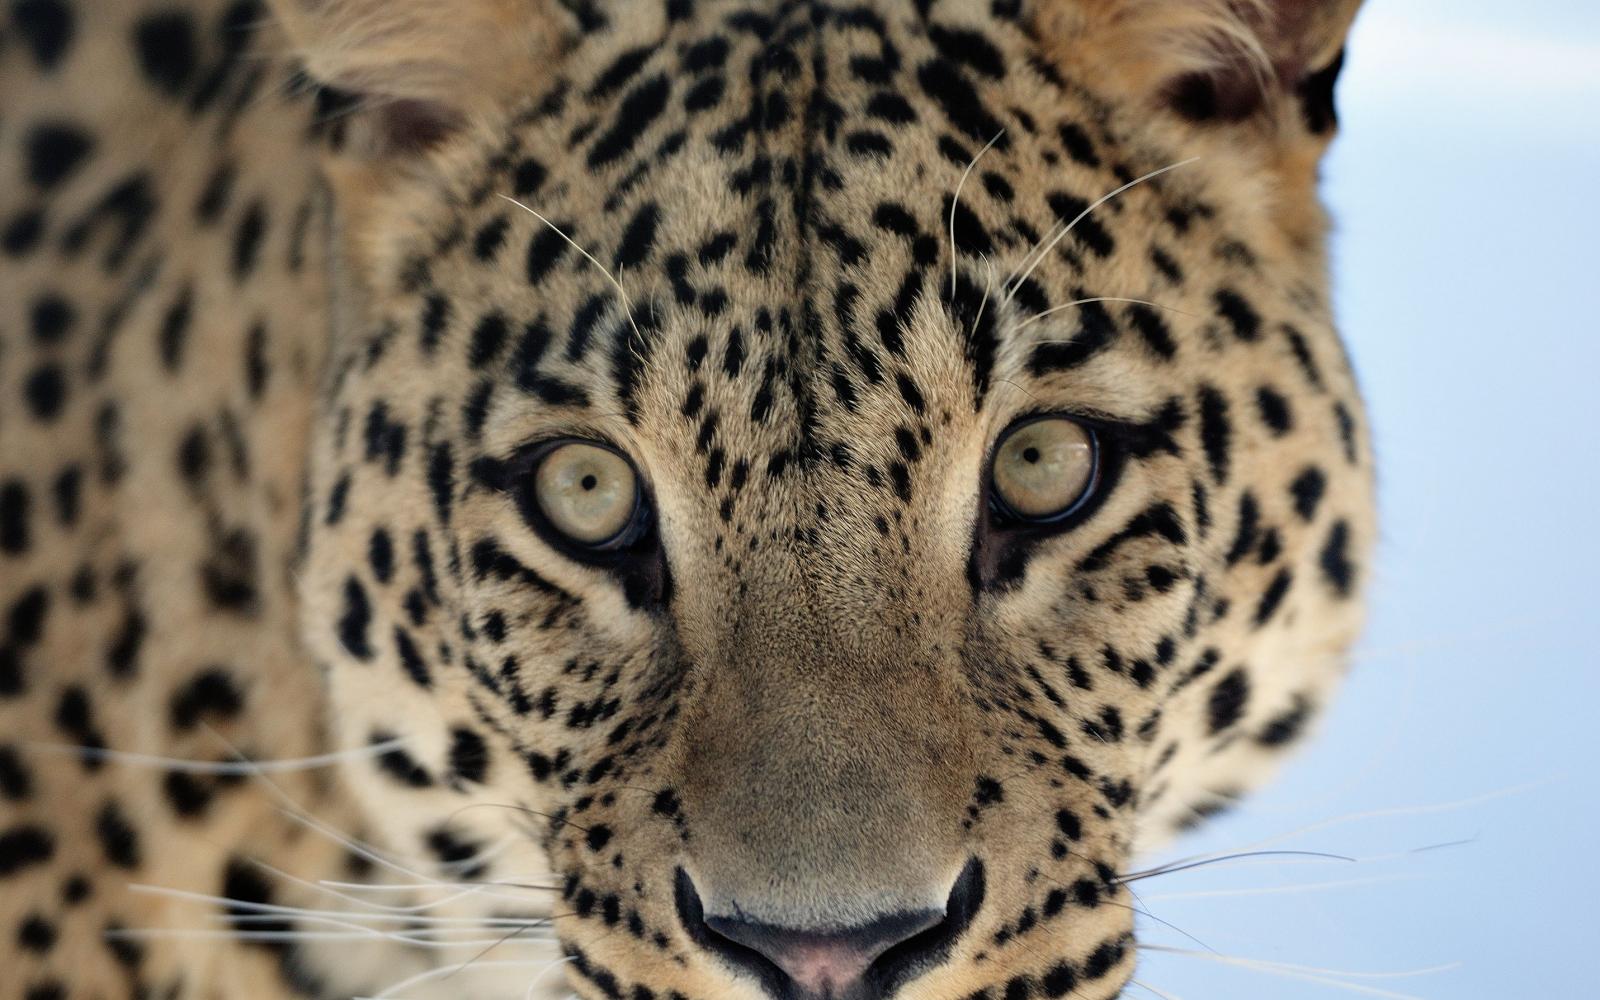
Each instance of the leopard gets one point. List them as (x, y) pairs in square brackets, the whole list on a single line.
[(654, 499)]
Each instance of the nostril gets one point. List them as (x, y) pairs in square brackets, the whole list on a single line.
[(865, 961), (918, 954)]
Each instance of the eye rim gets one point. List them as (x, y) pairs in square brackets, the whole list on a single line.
[(1007, 516), (636, 535)]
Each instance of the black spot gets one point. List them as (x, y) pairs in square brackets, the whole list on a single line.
[(638, 238), (380, 555), (398, 764), (1216, 433), (23, 846), (488, 338), (15, 506), (243, 883), (1274, 411), (622, 69), (247, 239), (1095, 333), (174, 332), (118, 839), (1148, 323), (441, 480), (54, 151), (1273, 596), (598, 836), (211, 692), (51, 318), (1061, 980), (165, 45), (16, 781), (455, 852), (545, 250), (46, 26), (411, 660), (1234, 308), (186, 794), (1086, 228), (435, 317), (36, 934), (490, 237), (638, 110), (949, 87), (1077, 144), (1334, 559), (1307, 490), (527, 179), (1285, 728), (1227, 701), (469, 755), (214, 197), (25, 621), (353, 622), (122, 657), (23, 231)]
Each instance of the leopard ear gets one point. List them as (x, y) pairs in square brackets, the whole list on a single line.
[(420, 69), (1212, 61)]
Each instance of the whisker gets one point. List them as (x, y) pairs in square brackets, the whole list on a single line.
[(1145, 912), (558, 963), (1151, 989), (245, 766), (956, 200), (1016, 282), (1191, 863), (1274, 890), (1327, 977), (1392, 812), (256, 912), (621, 295)]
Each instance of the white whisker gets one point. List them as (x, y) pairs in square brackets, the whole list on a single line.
[(621, 295), (1151, 989), (558, 963), (1274, 890), (245, 766), (1328, 977), (956, 200), (1014, 283)]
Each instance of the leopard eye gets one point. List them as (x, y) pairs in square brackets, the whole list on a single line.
[(587, 492), (1044, 468)]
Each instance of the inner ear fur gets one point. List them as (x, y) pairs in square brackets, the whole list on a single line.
[(420, 69), (1210, 61)]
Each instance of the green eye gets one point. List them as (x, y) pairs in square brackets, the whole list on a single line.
[(587, 492), (1044, 469)]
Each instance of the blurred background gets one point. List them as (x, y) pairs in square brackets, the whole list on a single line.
[(1464, 188)]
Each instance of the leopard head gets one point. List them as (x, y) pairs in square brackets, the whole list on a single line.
[(829, 485)]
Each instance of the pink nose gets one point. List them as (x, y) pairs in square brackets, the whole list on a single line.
[(867, 961), (832, 964), (821, 967)]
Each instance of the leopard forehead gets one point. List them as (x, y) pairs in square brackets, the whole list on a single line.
[(803, 266)]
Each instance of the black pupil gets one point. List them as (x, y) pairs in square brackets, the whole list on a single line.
[(589, 482), (1030, 455)]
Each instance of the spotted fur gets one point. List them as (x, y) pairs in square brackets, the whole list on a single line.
[(290, 299)]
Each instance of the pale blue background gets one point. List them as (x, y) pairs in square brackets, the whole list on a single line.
[(1464, 186)]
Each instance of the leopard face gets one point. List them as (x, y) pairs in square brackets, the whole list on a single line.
[(676, 522)]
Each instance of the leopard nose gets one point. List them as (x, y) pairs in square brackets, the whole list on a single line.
[(862, 962)]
